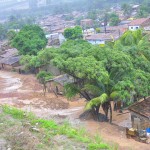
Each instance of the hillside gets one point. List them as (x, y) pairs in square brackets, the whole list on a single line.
[(21, 130)]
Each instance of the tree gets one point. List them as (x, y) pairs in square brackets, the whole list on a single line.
[(98, 30), (30, 40), (114, 19), (73, 33), (102, 75), (43, 77), (11, 35)]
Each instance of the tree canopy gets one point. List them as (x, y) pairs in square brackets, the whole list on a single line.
[(103, 74), (73, 33), (30, 40)]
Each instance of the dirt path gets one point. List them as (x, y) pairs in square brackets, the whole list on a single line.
[(24, 91)]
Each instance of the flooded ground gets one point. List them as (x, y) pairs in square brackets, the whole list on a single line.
[(24, 92)]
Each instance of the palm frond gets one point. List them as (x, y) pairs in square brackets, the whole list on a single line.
[(114, 95), (96, 101)]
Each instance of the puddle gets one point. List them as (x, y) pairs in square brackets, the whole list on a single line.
[(11, 84)]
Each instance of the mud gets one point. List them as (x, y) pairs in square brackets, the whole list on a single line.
[(24, 92)]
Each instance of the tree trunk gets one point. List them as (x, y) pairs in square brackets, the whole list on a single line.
[(105, 107), (110, 108), (97, 112), (94, 112)]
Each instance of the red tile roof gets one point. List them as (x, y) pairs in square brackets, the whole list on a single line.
[(121, 28), (142, 108), (138, 21)]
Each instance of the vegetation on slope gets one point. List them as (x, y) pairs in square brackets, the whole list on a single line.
[(24, 131)]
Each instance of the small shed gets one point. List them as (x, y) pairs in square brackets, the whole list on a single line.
[(9, 63), (57, 84), (140, 114)]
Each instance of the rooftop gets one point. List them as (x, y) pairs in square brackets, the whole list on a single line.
[(104, 36), (64, 79), (10, 60), (121, 28), (10, 53), (142, 108), (138, 21)]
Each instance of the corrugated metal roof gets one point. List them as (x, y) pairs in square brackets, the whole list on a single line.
[(142, 108)]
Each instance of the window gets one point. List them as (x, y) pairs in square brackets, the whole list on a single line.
[(131, 27), (137, 27)]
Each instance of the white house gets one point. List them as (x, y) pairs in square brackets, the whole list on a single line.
[(139, 23), (101, 38)]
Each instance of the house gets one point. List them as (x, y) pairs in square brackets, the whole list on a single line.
[(102, 38), (140, 114), (139, 23), (111, 29), (88, 32), (9, 63), (86, 23)]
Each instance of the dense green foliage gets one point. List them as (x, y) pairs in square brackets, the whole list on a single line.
[(73, 33), (102, 74), (44, 76), (114, 19), (30, 40)]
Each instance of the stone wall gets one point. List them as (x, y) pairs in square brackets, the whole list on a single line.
[(139, 121)]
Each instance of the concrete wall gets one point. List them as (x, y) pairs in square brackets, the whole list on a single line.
[(139, 121), (94, 42), (134, 28)]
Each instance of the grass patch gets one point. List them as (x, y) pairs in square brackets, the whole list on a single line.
[(50, 129)]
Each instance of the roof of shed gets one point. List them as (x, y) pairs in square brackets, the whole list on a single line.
[(10, 60), (64, 79), (10, 53), (142, 107)]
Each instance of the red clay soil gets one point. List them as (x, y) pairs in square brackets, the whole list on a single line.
[(24, 91)]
